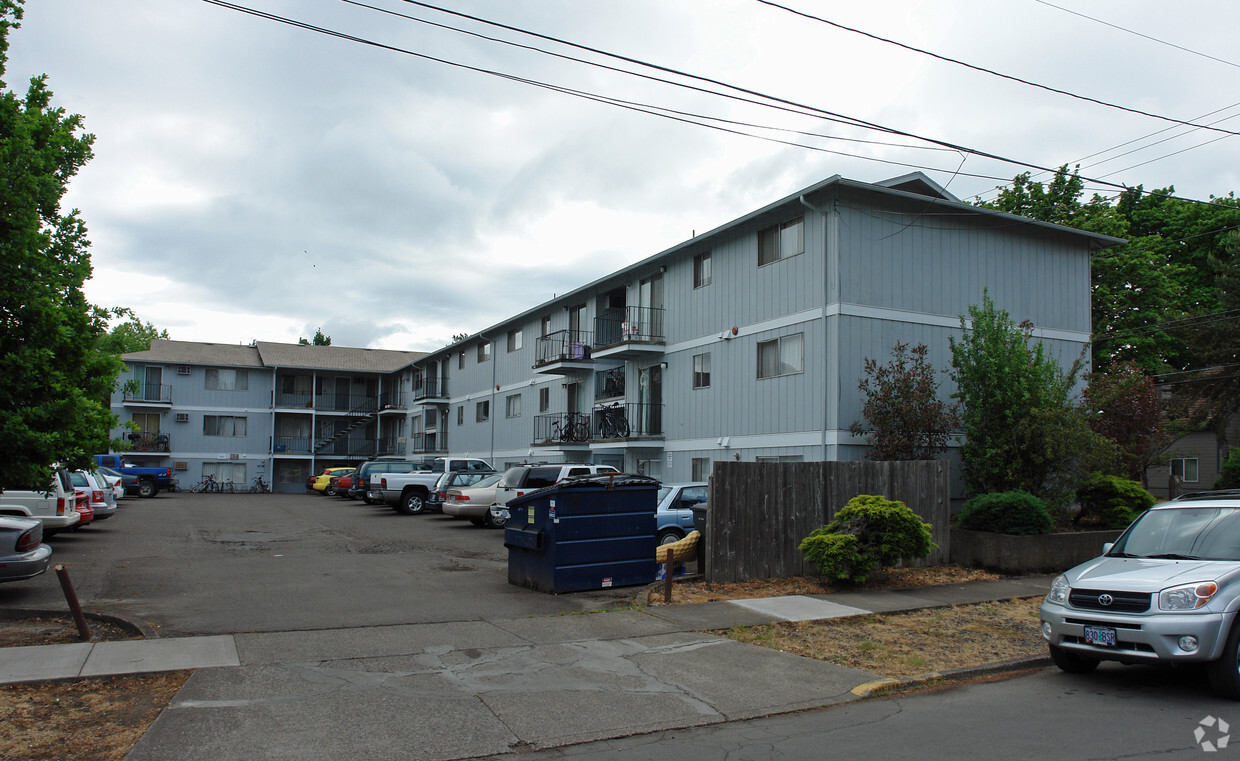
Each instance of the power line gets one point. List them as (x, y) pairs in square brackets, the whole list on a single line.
[(992, 72), (1196, 321), (1139, 34)]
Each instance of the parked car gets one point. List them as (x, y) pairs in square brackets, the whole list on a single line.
[(53, 506), (473, 502), (407, 492), (321, 483), (674, 515), (1166, 592), (22, 552), (361, 482), (82, 505), (118, 481), (338, 485), (150, 480), (522, 479), (102, 503), (453, 479)]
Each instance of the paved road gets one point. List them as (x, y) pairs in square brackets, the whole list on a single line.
[(228, 563), (1118, 713)]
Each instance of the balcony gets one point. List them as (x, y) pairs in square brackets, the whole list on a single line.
[(428, 443), (562, 429), (294, 401), (564, 352), (147, 394), (350, 449), (357, 403), (629, 333), (609, 384), (291, 444), (392, 401), (432, 390), (392, 445), (141, 441), (625, 422)]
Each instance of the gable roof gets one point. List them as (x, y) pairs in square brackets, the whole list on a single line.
[(270, 354)]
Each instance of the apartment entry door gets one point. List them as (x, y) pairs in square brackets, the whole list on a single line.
[(650, 401)]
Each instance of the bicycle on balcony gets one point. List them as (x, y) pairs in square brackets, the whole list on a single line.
[(612, 422), (569, 429)]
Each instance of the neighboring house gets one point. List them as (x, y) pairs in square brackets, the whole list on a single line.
[(1194, 459), (747, 342), (280, 410)]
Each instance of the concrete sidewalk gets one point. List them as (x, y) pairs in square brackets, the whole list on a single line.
[(480, 688)]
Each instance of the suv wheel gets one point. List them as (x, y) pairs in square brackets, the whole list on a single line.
[(494, 521), (1071, 662), (146, 489), (1225, 672), (411, 503)]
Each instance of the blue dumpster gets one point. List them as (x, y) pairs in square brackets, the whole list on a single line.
[(591, 532)]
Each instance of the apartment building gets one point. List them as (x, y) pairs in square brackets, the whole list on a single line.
[(282, 411), (747, 342)]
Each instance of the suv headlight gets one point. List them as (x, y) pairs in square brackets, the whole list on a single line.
[(1059, 591), (1187, 596)]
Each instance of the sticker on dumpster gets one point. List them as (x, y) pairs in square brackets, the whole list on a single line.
[(607, 582)]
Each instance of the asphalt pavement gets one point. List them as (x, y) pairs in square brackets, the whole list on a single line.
[(470, 688)]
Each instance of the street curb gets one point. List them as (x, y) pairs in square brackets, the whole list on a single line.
[(139, 627), (868, 689)]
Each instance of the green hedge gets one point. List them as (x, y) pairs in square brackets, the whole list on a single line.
[(1010, 512), (1111, 502), (868, 533), (1229, 473)]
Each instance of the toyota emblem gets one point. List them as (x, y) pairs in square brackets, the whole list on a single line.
[(1105, 599)]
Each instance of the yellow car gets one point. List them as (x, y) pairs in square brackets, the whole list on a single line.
[(324, 478)]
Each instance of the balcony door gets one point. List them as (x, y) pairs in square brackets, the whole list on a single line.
[(650, 401), (650, 299), (153, 385)]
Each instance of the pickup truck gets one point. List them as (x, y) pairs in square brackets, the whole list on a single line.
[(55, 507), (149, 480), (407, 492)]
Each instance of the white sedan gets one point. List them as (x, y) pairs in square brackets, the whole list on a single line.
[(22, 552), (474, 502)]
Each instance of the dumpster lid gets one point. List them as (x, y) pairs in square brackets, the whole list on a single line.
[(596, 481)]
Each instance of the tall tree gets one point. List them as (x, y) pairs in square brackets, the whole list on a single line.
[(130, 335), (318, 340), (904, 417), (53, 379), (1126, 408)]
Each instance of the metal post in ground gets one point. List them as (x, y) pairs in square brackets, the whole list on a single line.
[(62, 573)]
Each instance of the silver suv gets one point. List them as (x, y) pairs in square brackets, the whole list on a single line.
[(1167, 591), (523, 479)]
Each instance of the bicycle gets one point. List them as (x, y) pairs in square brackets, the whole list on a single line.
[(207, 484), (612, 422), (228, 487), (259, 486), (567, 429)]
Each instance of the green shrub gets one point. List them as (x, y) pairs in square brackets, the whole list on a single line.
[(1111, 502), (1010, 512), (1229, 474), (869, 532)]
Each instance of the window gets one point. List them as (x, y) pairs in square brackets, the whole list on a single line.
[(460, 362), (1185, 468), (701, 270), (460, 415), (223, 425), (225, 472), (546, 326), (482, 411), (484, 351), (544, 399), (781, 241), (779, 458), (701, 370), (514, 340), (512, 406), (700, 469), (224, 379), (783, 356)]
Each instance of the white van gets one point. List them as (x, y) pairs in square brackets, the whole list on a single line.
[(55, 507)]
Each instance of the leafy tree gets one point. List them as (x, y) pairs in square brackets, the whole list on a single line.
[(130, 335), (1229, 473), (53, 379), (1126, 408), (1022, 428), (459, 337), (907, 420), (319, 339)]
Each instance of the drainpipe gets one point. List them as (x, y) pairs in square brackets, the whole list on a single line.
[(494, 362), (826, 295)]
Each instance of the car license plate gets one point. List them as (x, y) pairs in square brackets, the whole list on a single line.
[(1101, 636)]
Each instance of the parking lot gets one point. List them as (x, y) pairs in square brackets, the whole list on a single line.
[(227, 563)]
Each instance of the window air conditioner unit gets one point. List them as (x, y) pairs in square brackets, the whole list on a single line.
[(182, 417), (180, 465), (183, 370)]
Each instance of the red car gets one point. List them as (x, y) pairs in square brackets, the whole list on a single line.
[(339, 486), (82, 505)]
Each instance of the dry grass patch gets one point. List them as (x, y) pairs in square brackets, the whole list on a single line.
[(86, 720), (912, 644)]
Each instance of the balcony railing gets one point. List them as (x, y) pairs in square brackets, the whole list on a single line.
[(344, 402), (390, 445), (392, 400), (291, 444), (562, 346), (562, 428), (629, 325), (609, 384), (160, 393), (295, 401), (141, 441), (430, 388), (352, 448), (426, 442), (627, 421)]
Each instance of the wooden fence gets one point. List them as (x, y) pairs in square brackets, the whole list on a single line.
[(759, 512)]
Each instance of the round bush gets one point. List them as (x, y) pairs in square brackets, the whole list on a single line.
[(869, 532), (1229, 473), (1111, 502), (1010, 512)]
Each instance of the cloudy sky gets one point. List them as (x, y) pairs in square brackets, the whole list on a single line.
[(257, 180)]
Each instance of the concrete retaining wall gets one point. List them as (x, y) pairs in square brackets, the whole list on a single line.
[(1042, 553)]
